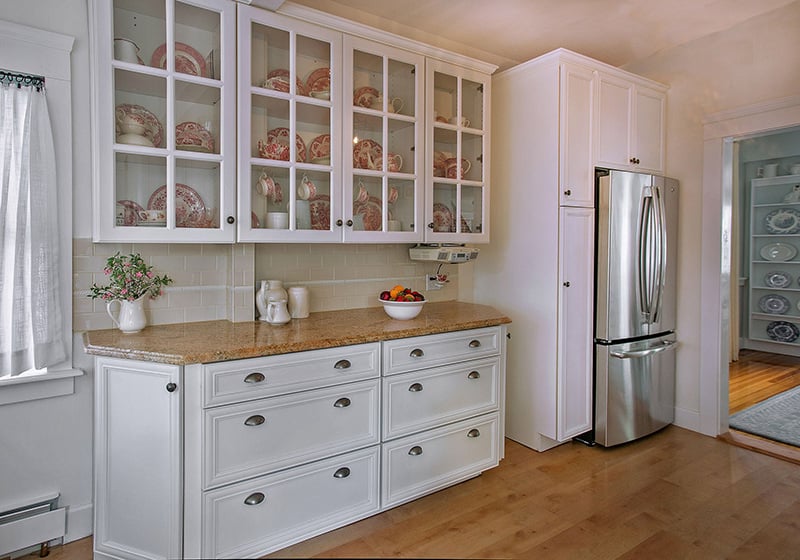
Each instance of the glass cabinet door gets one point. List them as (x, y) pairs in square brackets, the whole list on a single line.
[(457, 143), (383, 117), (289, 145), (166, 124)]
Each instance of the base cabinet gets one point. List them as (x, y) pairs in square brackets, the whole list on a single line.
[(242, 458)]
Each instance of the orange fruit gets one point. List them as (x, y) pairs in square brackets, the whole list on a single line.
[(396, 290)]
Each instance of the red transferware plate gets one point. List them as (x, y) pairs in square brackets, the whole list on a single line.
[(281, 136), (318, 80), (320, 207), (443, 218), (190, 209), (364, 96), (153, 129), (187, 60), (370, 210), (320, 147), (367, 154)]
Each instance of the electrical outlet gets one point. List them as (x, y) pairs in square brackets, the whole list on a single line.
[(431, 283)]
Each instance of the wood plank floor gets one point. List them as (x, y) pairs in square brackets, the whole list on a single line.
[(676, 494), (756, 376)]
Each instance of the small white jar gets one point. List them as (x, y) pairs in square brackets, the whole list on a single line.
[(298, 302)]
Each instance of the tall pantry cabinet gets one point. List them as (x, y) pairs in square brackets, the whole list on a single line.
[(547, 125)]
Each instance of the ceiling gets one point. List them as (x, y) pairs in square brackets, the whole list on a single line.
[(507, 32)]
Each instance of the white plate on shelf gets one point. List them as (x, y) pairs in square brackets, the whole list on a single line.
[(778, 252), (777, 279), (774, 304), (783, 221)]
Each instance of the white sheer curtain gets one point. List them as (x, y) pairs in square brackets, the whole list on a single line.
[(30, 308)]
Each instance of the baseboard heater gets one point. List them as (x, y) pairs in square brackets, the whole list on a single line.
[(31, 523)]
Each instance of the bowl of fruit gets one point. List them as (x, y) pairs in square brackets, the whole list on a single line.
[(402, 303)]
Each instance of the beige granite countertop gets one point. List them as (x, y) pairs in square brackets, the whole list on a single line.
[(216, 341)]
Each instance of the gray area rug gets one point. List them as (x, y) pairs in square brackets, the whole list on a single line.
[(777, 418)]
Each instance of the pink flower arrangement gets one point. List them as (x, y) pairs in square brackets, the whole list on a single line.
[(130, 279)]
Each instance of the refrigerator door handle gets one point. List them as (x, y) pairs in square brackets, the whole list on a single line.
[(661, 262), (646, 273), (643, 353)]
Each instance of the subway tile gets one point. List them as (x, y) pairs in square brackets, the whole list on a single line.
[(166, 316), (82, 247), (201, 262)]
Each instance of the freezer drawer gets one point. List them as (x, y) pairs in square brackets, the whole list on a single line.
[(634, 389)]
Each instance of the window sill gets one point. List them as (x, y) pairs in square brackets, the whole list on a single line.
[(38, 386)]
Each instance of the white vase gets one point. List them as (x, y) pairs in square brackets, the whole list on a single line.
[(261, 301), (130, 317)]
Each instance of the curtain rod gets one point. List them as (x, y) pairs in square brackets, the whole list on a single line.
[(20, 80)]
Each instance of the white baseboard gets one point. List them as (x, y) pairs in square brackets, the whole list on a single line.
[(80, 522), (689, 419)]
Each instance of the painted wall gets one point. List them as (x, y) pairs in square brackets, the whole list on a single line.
[(753, 62)]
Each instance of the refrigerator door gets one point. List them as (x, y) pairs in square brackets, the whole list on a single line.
[(634, 389), (636, 249)]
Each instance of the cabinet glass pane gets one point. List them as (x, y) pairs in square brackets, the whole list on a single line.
[(445, 97), (444, 207), (139, 29), (471, 210), (197, 194), (368, 203), (401, 201), (197, 39), (197, 117), (471, 157), (367, 87), (445, 148), (367, 142), (401, 146), (269, 197), (313, 207), (402, 81), (269, 128), (140, 109), (472, 104), (314, 131), (314, 67), (136, 178), (269, 66)]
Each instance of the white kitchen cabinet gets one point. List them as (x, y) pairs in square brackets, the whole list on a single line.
[(576, 110), (630, 123), (164, 133)]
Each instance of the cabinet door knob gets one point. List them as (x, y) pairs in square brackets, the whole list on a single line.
[(339, 222), (566, 284), (342, 364), (344, 402), (415, 387), (230, 219), (417, 353), (254, 499), (430, 225), (473, 433), (344, 472), (255, 377), (349, 223), (414, 451), (474, 343), (255, 420), (172, 387), (634, 160), (473, 375), (568, 192)]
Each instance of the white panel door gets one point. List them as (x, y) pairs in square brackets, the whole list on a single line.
[(614, 102), (576, 105), (649, 129)]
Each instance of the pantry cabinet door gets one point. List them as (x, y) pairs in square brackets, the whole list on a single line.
[(649, 129), (576, 173), (614, 122)]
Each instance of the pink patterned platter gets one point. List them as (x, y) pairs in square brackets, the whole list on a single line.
[(193, 136), (318, 81), (370, 210), (367, 154), (279, 80), (443, 218), (281, 136), (187, 60), (128, 217), (364, 96), (320, 208), (190, 210), (320, 147), (153, 129)]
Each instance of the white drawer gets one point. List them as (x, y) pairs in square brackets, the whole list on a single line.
[(254, 518), (241, 380), (420, 400), (254, 438), (409, 354), (425, 462)]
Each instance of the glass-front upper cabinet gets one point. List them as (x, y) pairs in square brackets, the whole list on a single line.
[(288, 117), (457, 144), (383, 118), (164, 135)]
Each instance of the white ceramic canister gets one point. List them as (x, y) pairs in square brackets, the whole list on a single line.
[(276, 291), (298, 302)]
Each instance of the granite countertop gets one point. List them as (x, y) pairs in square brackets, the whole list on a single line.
[(216, 341)]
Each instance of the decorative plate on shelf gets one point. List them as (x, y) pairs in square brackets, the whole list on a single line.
[(364, 96), (194, 137), (320, 147), (281, 136), (129, 216), (153, 129), (443, 218), (367, 154), (187, 60), (190, 209), (320, 207), (783, 331), (318, 81), (370, 211), (783, 221), (777, 279), (778, 252), (774, 303), (279, 80)]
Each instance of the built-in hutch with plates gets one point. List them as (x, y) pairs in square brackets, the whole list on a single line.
[(774, 280), (217, 121)]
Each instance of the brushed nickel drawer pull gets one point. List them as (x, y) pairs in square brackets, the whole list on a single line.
[(344, 472), (255, 377), (414, 451), (415, 388), (474, 343), (473, 433), (342, 364), (254, 499), (474, 375), (344, 402), (255, 420), (417, 353)]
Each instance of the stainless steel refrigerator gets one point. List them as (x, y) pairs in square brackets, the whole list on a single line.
[(637, 216)]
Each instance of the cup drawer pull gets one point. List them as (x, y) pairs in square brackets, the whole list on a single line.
[(474, 375), (473, 433), (417, 353), (344, 472), (344, 402), (414, 451), (255, 420), (342, 364), (255, 377), (254, 499), (474, 343), (415, 388)]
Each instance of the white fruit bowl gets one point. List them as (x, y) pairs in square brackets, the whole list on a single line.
[(402, 310)]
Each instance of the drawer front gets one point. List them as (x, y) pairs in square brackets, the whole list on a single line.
[(422, 463), (241, 380), (255, 438), (420, 400), (253, 518), (409, 354)]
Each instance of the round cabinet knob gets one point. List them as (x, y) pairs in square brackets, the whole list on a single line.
[(568, 192), (349, 223), (430, 225), (254, 499), (339, 222), (566, 284), (230, 219), (172, 387)]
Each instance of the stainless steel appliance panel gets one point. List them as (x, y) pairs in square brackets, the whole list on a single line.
[(634, 389)]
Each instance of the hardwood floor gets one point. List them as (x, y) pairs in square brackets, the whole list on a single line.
[(676, 494), (756, 376)]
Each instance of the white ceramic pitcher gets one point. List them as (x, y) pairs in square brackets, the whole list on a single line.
[(130, 317)]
